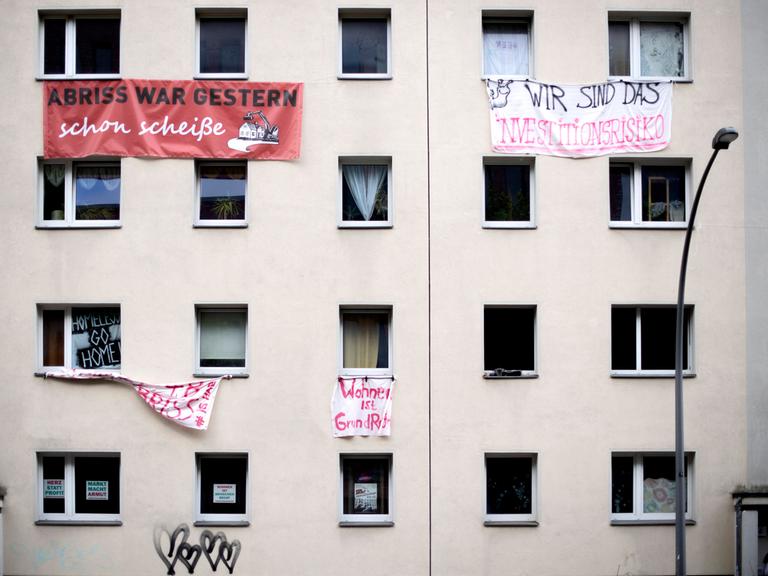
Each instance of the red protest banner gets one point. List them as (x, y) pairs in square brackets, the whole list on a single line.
[(172, 119)]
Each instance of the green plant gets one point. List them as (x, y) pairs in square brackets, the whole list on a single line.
[(226, 208)]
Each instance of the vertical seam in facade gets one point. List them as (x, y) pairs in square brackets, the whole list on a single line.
[(429, 292)]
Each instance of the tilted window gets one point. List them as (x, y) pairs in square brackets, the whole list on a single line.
[(509, 341)]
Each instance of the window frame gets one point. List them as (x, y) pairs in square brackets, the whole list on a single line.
[(358, 372), (70, 191), (507, 17), (367, 519), (235, 519), (357, 14), (207, 371), (69, 516), (223, 13), (372, 161), (67, 309), (512, 519), (688, 371), (529, 224), (636, 206), (70, 56), (491, 374), (637, 516), (234, 222), (635, 19)]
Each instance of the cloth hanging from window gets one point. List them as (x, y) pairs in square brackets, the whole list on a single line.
[(364, 183), (362, 406)]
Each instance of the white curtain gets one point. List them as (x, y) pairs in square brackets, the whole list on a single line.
[(222, 335), (364, 183), (54, 173), (108, 175), (361, 341), (505, 49)]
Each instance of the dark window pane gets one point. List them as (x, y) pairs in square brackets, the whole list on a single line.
[(618, 48), (222, 484), (222, 338), (658, 338), (509, 483), (97, 46), (364, 46), (97, 192), (96, 338), (623, 339), (507, 193), (54, 42), (366, 486), (622, 469), (366, 340), (621, 192), (222, 45), (663, 193), (659, 484), (222, 192), (53, 485), (97, 485), (53, 337), (53, 191), (364, 192), (509, 338)]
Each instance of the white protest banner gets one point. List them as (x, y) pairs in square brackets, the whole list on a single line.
[(189, 404), (362, 406), (579, 120)]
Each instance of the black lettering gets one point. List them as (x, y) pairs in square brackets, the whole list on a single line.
[(585, 91), (229, 97), (258, 97), (535, 98), (652, 88), (557, 94), (107, 95), (144, 94), (215, 96), (628, 87), (178, 95), (70, 96), (289, 98), (53, 98), (85, 96), (122, 94), (244, 96), (162, 97), (199, 96)]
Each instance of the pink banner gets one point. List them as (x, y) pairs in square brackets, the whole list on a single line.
[(362, 406), (189, 404)]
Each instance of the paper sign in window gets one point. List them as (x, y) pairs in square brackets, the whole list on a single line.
[(365, 497), (224, 493), (53, 488), (97, 490)]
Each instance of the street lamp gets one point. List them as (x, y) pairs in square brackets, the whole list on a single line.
[(721, 141)]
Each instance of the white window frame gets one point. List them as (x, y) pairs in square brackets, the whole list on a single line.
[(637, 515), (70, 516), (637, 165), (491, 374), (69, 194), (70, 43), (67, 308), (688, 371), (512, 519), (238, 519), (507, 17), (369, 13), (233, 223), (237, 371), (212, 13), (374, 161), (365, 371), (367, 519), (529, 224), (634, 20)]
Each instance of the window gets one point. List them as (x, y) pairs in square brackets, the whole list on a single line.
[(366, 489), (366, 342), (648, 47), (364, 41), (651, 195), (643, 486), (509, 341), (82, 45), (222, 488), (643, 340), (81, 337), (508, 198), (365, 192), (510, 488), (506, 44), (79, 194), (221, 45), (221, 193), (78, 487), (222, 340)]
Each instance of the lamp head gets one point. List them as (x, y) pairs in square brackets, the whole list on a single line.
[(723, 138)]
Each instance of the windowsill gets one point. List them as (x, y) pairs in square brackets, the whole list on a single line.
[(521, 376), (78, 522), (664, 374), (52, 372), (670, 522), (648, 226), (673, 79), (221, 76), (109, 226), (42, 77), (514, 77), (363, 226), (518, 523), (220, 374), (363, 524), (509, 225), (228, 523), (364, 77), (236, 224)]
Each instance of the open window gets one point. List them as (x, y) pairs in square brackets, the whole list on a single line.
[(222, 489), (85, 44), (366, 489), (509, 341), (510, 489)]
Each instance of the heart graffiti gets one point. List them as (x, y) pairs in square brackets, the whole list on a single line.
[(215, 547)]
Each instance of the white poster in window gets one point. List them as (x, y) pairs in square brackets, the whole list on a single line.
[(365, 497), (362, 406), (225, 493), (579, 120), (53, 488), (97, 490)]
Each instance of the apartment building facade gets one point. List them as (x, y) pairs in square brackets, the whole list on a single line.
[(512, 312)]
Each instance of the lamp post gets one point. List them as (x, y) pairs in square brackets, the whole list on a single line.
[(721, 141)]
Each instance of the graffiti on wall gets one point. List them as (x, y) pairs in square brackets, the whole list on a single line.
[(214, 547)]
